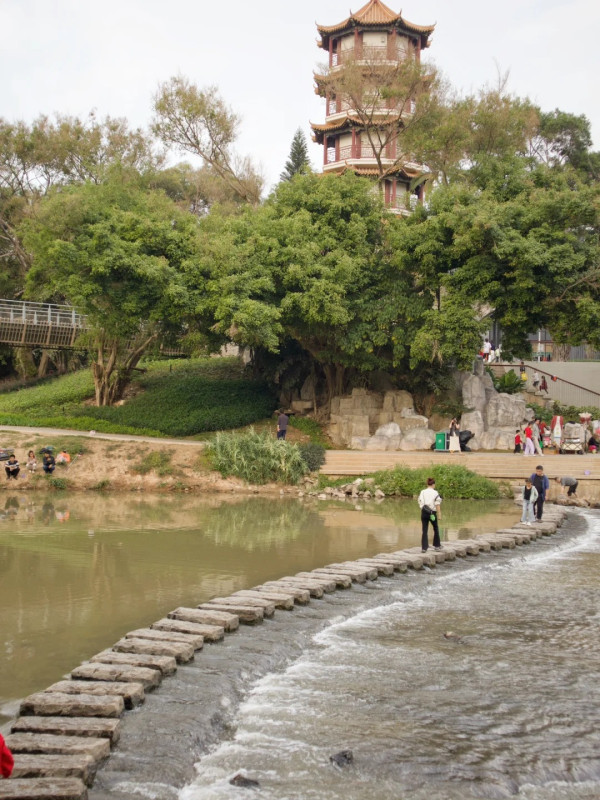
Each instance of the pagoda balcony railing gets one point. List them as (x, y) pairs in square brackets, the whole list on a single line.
[(367, 54), (365, 151)]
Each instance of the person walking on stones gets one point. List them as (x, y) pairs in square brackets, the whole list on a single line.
[(282, 424), (572, 483), (429, 503), (528, 496), (529, 449), (542, 484)]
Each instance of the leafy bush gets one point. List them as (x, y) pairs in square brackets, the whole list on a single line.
[(509, 383), (58, 483), (51, 394), (313, 455), (157, 460), (256, 458), (573, 412), (452, 481)]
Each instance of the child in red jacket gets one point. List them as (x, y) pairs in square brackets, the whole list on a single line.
[(7, 761), (518, 441)]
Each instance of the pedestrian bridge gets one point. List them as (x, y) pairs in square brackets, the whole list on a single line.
[(24, 324)]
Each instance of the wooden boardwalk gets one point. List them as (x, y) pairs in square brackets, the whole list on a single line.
[(63, 734), (501, 466)]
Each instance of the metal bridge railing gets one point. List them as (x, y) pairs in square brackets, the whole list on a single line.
[(25, 324)]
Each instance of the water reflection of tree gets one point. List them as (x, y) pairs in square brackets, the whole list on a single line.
[(259, 523)]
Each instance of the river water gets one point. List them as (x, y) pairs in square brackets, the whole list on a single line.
[(507, 706), (77, 571)]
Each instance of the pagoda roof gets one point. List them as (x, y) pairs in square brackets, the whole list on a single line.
[(374, 14)]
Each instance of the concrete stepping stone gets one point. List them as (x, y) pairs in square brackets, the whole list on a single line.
[(197, 642), (268, 606), (280, 600), (93, 746), (413, 561), (70, 726), (41, 765), (341, 581), (503, 541), (179, 651), (301, 596), (43, 789), (381, 567), (58, 704), (399, 564), (245, 613), (103, 667), (132, 693), (210, 633), (369, 572), (226, 619)]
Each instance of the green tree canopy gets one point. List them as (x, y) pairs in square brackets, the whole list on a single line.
[(118, 254), (298, 160)]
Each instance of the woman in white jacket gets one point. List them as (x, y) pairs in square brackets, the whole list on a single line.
[(529, 494), (429, 503)]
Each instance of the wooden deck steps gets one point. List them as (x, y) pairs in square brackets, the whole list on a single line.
[(65, 733)]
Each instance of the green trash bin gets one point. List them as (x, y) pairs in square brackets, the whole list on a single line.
[(440, 441)]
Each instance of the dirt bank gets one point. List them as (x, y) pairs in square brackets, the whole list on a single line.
[(98, 464)]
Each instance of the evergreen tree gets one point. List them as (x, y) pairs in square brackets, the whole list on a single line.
[(298, 159)]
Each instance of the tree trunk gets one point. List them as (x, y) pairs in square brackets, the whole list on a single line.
[(44, 364), (335, 376), (111, 378)]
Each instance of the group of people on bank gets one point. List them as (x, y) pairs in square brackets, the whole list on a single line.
[(48, 463)]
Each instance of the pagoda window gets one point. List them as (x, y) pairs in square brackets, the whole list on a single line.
[(332, 105), (375, 45), (402, 47)]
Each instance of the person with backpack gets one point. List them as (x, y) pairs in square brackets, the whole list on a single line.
[(429, 503)]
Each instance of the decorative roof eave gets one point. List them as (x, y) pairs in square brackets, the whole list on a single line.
[(373, 15)]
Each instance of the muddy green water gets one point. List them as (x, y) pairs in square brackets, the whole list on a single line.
[(78, 571)]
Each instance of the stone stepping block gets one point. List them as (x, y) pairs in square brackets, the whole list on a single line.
[(545, 527), (382, 569), (503, 541), (132, 693), (283, 601), (321, 579), (210, 633), (341, 581), (70, 726), (412, 560), (43, 789), (245, 613), (491, 544), (519, 537), (41, 765), (99, 669), (197, 642), (530, 530), (311, 585), (428, 559), (130, 663), (357, 574), (345, 566), (399, 564), (58, 704), (455, 549), (479, 544), (227, 620), (93, 746), (179, 651), (268, 606), (301, 596)]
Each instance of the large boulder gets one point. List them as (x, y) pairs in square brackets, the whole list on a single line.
[(397, 400), (473, 392), (472, 421), (417, 439), (505, 411), (496, 439)]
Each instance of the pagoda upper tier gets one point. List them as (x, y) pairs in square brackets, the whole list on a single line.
[(374, 14)]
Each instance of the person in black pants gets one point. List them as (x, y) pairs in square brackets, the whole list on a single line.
[(12, 468), (429, 503), (542, 484)]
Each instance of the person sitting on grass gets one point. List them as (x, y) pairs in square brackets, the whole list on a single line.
[(12, 467), (63, 457), (31, 462), (48, 464)]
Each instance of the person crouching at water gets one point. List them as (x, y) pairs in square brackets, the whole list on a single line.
[(429, 503), (529, 496), (12, 467), (572, 483)]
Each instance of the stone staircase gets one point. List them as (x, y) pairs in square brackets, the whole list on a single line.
[(502, 466)]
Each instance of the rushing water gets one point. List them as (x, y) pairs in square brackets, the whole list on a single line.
[(508, 706), (78, 571)]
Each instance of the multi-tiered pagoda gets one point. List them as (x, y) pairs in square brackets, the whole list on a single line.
[(371, 36)]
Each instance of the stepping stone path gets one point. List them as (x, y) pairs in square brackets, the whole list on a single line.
[(64, 733)]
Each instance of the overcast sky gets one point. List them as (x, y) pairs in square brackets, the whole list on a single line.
[(72, 56)]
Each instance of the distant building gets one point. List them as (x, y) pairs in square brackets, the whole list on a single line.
[(374, 35)]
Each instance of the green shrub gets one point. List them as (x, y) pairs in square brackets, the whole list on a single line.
[(451, 481), (256, 458), (509, 383), (101, 485), (157, 460), (313, 455), (571, 413), (57, 483)]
